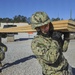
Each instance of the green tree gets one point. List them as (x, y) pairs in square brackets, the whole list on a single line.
[(55, 19), (19, 18)]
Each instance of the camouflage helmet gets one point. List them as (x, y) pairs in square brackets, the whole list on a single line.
[(39, 19)]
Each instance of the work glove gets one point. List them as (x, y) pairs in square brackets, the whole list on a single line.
[(66, 36), (56, 35)]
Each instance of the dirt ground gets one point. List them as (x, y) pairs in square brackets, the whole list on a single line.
[(20, 60)]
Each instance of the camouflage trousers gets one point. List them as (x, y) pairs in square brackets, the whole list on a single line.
[(60, 73), (64, 72)]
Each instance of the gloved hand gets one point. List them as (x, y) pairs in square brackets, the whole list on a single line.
[(66, 35), (56, 35)]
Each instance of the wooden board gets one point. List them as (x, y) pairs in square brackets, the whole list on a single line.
[(63, 25)]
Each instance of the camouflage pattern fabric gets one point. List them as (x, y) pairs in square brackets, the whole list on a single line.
[(2, 54), (39, 19), (0, 64), (3, 49), (50, 55)]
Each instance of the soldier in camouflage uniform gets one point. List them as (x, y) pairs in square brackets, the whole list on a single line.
[(3, 49), (48, 46)]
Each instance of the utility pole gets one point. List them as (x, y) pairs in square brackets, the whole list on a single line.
[(71, 14), (58, 14)]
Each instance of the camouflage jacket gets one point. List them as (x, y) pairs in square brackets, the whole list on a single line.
[(3, 49), (49, 54)]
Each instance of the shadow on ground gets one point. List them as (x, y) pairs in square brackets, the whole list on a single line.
[(18, 61), (23, 60)]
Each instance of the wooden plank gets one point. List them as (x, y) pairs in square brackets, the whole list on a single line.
[(60, 22), (63, 25)]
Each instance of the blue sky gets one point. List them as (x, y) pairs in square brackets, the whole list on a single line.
[(54, 8)]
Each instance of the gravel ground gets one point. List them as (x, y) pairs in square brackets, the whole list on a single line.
[(20, 60)]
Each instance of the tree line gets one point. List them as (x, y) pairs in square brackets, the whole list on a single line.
[(20, 18), (15, 19)]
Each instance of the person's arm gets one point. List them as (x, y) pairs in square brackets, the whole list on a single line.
[(48, 55), (4, 47), (66, 41)]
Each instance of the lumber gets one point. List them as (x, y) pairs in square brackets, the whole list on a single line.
[(62, 25)]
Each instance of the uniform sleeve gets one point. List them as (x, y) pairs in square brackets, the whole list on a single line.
[(48, 55), (65, 45), (4, 47)]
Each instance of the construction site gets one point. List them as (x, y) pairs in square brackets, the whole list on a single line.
[(19, 59), (21, 31)]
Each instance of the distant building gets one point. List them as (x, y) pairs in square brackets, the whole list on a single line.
[(18, 24), (19, 36)]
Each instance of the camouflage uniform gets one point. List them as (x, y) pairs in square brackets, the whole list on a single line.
[(3, 49), (50, 56), (48, 51)]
